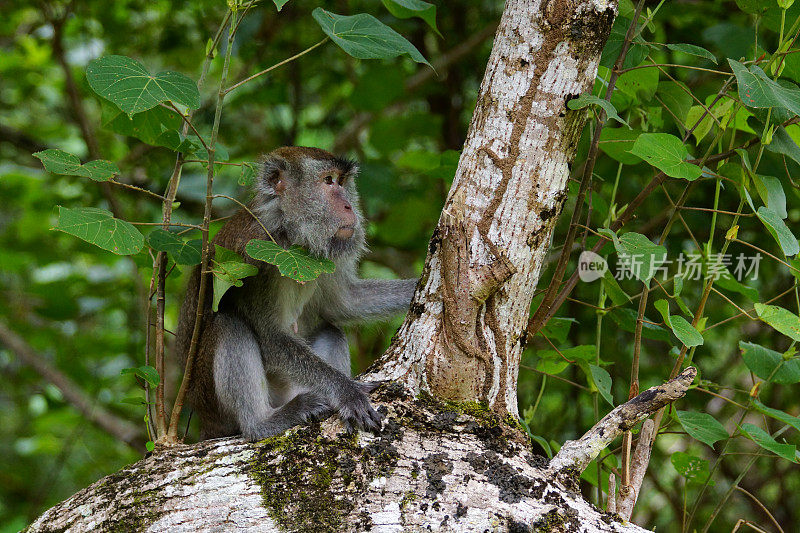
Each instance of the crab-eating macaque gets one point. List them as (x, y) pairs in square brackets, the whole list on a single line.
[(274, 355)]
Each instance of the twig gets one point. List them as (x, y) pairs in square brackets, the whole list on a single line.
[(273, 67), (172, 434), (641, 457), (579, 453)]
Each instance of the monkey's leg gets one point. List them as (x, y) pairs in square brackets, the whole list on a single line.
[(243, 389), (293, 360)]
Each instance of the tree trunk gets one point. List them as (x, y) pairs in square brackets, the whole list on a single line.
[(460, 465), (465, 333)]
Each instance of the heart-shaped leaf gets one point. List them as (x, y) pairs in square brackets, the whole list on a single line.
[(99, 227), (182, 252), (365, 37), (667, 153), (280, 3), (126, 83), (681, 327), (64, 163), (295, 263)]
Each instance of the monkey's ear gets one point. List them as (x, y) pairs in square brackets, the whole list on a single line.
[(273, 174)]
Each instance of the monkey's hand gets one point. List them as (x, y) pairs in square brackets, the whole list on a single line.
[(354, 408)]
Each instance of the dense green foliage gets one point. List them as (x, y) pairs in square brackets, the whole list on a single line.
[(707, 95)]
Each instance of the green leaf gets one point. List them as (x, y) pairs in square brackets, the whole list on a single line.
[(781, 319), (590, 99), (644, 256), (157, 126), (683, 330), (614, 291), (126, 83), (602, 380), (551, 366), (771, 192), (229, 274), (146, 372), (404, 9), (617, 144), (779, 230), (625, 318), (182, 252), (728, 282), (637, 86), (583, 352), (637, 51), (280, 3), (295, 263), (99, 227), (786, 418), (677, 98), (150, 446), (765, 440), (693, 50), (667, 153), (557, 328), (248, 175), (66, 164), (365, 37), (770, 365), (702, 427), (756, 89), (694, 469)]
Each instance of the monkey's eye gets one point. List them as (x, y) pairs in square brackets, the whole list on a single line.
[(328, 179)]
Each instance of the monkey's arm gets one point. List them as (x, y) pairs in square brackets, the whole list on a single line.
[(293, 359), (370, 299)]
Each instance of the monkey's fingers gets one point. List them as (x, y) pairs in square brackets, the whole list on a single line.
[(369, 386)]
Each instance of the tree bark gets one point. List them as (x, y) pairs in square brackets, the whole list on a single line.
[(451, 455), (432, 466), (464, 335)]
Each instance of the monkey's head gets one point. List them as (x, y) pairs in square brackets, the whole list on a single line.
[(311, 196)]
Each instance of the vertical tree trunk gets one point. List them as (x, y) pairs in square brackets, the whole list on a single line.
[(464, 335)]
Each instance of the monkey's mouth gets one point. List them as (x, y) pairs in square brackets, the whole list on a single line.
[(345, 232)]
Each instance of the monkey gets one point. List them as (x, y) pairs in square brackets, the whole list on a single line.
[(275, 355)]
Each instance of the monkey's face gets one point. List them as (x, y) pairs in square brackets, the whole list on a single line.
[(317, 196)]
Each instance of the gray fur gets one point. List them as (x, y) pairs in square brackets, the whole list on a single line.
[(275, 355)]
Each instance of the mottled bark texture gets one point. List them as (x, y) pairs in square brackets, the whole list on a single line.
[(434, 467), (464, 335)]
